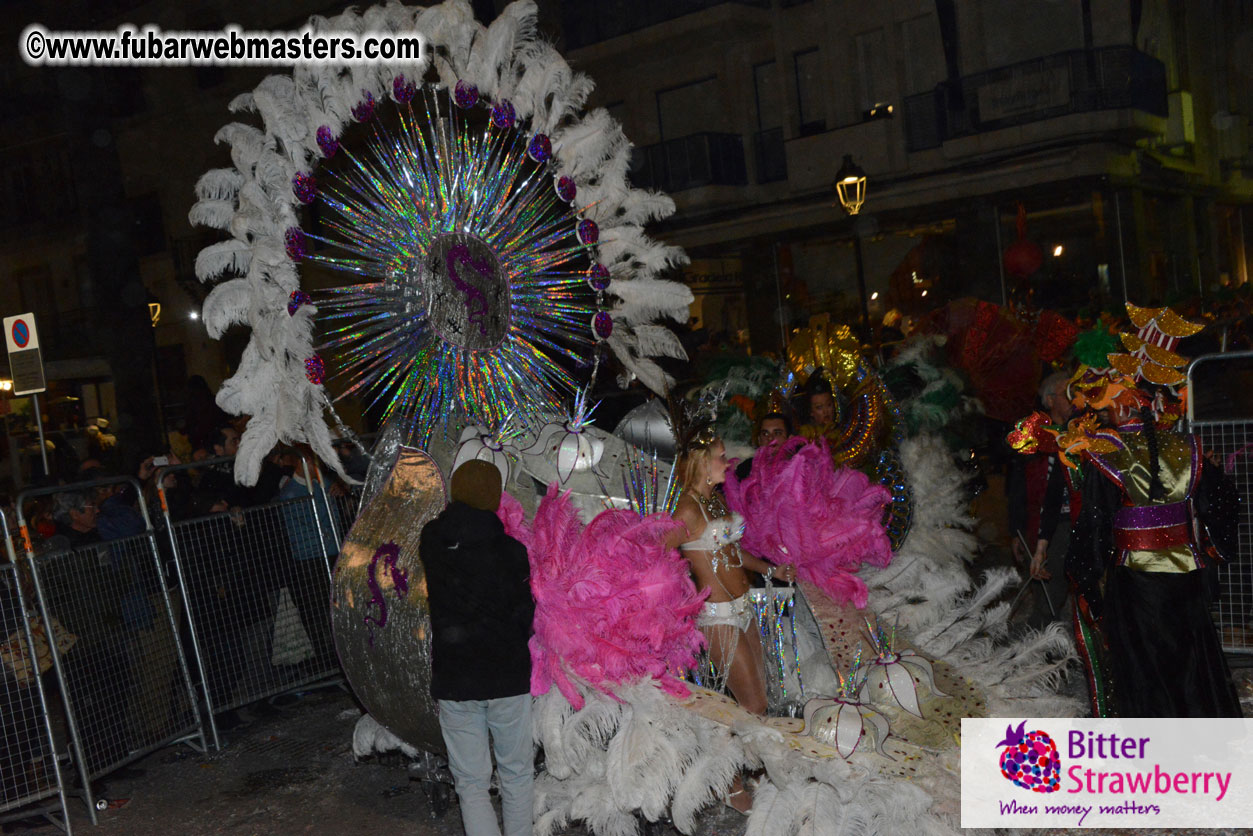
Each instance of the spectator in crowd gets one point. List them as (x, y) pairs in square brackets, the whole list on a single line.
[(355, 462), (1043, 504), (481, 621), (313, 544), (75, 513), (773, 426), (220, 478)]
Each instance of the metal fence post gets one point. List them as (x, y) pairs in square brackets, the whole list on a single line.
[(190, 610), (31, 658), (1225, 426)]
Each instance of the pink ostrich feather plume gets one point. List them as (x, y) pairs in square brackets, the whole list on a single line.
[(826, 521), (612, 603)]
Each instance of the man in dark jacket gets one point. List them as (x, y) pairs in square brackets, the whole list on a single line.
[(481, 607)]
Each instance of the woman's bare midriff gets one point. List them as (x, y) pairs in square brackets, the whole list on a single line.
[(723, 585)]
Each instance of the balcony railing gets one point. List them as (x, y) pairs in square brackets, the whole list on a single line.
[(704, 159), (1079, 81), (591, 22)]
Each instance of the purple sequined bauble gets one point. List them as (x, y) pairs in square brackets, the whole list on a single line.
[(602, 325), (327, 141), (363, 111), (297, 299), (465, 94), (598, 277), (566, 190), (403, 91), (503, 114), (296, 247), (539, 149), (589, 232), (305, 187), (315, 370)]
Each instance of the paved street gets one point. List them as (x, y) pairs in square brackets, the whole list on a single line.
[(290, 770)]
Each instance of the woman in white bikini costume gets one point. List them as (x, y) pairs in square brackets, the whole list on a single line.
[(708, 540)]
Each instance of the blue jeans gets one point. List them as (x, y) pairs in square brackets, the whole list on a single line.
[(465, 725)]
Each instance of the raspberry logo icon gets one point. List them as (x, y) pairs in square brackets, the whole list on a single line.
[(1030, 760)]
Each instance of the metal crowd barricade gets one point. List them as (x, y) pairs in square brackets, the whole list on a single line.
[(125, 685), (1220, 411), (256, 583), (30, 769)]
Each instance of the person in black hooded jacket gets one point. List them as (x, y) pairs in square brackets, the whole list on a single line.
[(481, 607)]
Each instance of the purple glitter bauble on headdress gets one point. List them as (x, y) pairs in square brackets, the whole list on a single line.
[(539, 148), (598, 277), (327, 141), (305, 187), (566, 189), (602, 325), (589, 232), (402, 90), (297, 300), (465, 95), (315, 370), (294, 239), (503, 114), (363, 111)]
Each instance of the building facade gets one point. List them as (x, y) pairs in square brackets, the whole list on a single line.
[(1120, 127)]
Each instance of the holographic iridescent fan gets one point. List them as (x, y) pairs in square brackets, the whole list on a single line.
[(475, 269), (471, 215)]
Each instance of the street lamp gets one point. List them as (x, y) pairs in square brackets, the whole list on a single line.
[(850, 187)]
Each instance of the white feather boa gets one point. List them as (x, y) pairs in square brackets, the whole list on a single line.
[(254, 203)]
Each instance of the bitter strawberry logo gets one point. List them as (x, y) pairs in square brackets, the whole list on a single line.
[(1030, 759)]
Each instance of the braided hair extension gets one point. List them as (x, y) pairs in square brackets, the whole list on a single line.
[(1156, 491)]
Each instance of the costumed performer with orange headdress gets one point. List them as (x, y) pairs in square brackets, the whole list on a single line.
[(1155, 517)]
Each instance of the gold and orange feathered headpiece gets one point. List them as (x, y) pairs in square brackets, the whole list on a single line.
[(1150, 361), (1150, 351), (1148, 375)]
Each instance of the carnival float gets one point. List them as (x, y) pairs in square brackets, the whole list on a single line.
[(494, 266)]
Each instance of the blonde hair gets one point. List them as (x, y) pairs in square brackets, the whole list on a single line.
[(687, 464)]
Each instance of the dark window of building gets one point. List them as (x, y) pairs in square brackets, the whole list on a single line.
[(768, 144), (766, 86), (809, 98), (924, 54), (692, 108), (873, 70), (149, 225)]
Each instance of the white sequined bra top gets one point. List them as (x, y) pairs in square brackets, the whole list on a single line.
[(720, 538)]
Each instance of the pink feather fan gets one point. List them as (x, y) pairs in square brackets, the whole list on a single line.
[(826, 521), (612, 603)]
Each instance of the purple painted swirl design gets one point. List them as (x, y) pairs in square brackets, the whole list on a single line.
[(475, 301), (389, 553)]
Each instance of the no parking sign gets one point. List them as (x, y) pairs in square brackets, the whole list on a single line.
[(25, 360)]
